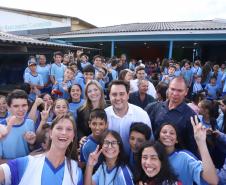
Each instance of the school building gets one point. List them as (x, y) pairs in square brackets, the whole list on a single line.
[(205, 39)]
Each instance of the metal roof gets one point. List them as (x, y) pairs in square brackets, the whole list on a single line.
[(216, 24), (15, 39), (44, 13)]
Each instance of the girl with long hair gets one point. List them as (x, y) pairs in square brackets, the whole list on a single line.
[(94, 98), (58, 165), (113, 169), (153, 166), (188, 168)]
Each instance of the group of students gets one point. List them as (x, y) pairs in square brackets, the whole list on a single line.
[(63, 132)]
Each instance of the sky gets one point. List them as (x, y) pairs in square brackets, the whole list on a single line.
[(114, 12)]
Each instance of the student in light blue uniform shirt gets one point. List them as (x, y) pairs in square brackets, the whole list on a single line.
[(57, 68), (60, 89), (187, 73), (218, 75), (3, 108), (98, 125), (34, 80), (84, 60), (75, 101), (185, 165), (212, 89), (108, 172), (44, 70), (197, 87), (15, 142), (58, 165)]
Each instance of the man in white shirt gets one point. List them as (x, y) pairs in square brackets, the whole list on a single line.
[(140, 74), (121, 114)]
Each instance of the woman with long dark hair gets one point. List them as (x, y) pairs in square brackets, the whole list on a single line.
[(57, 166), (188, 168), (113, 170), (153, 166)]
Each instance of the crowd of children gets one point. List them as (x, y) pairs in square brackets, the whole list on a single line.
[(109, 122)]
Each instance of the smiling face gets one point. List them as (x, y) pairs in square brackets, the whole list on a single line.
[(150, 162), (48, 99), (75, 93), (119, 97), (60, 107), (93, 93), (62, 134), (168, 136), (98, 126), (68, 75), (3, 105), (110, 147), (19, 108)]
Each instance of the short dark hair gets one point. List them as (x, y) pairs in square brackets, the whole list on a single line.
[(141, 128), (98, 113), (119, 82), (114, 62), (58, 53), (88, 69), (16, 94), (97, 56)]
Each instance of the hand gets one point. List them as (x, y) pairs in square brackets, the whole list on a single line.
[(4, 130), (82, 141), (141, 183), (93, 157), (38, 101), (30, 137), (45, 113), (199, 130)]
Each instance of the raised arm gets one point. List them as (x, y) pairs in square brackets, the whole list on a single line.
[(92, 161), (209, 172)]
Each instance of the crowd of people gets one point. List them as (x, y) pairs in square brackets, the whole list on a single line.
[(109, 121)]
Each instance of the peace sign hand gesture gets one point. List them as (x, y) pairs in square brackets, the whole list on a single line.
[(93, 157), (45, 112), (199, 130)]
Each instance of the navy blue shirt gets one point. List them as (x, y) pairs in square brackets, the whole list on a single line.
[(134, 98), (159, 113)]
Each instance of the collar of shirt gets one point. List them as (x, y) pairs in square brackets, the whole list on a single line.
[(179, 108)]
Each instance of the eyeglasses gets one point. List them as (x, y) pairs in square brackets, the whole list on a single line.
[(107, 143)]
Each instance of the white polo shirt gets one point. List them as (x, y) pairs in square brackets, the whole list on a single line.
[(134, 87), (122, 125)]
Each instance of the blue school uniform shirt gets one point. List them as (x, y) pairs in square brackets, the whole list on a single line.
[(82, 83), (212, 91), (105, 176), (88, 147), (44, 71), (187, 167), (197, 87), (224, 81), (33, 79), (13, 145), (49, 172), (74, 106), (114, 74), (59, 86), (6, 116), (188, 75), (196, 71), (218, 78), (57, 71), (85, 64), (177, 72)]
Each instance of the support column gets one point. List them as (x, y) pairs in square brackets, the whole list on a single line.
[(170, 49), (112, 48)]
